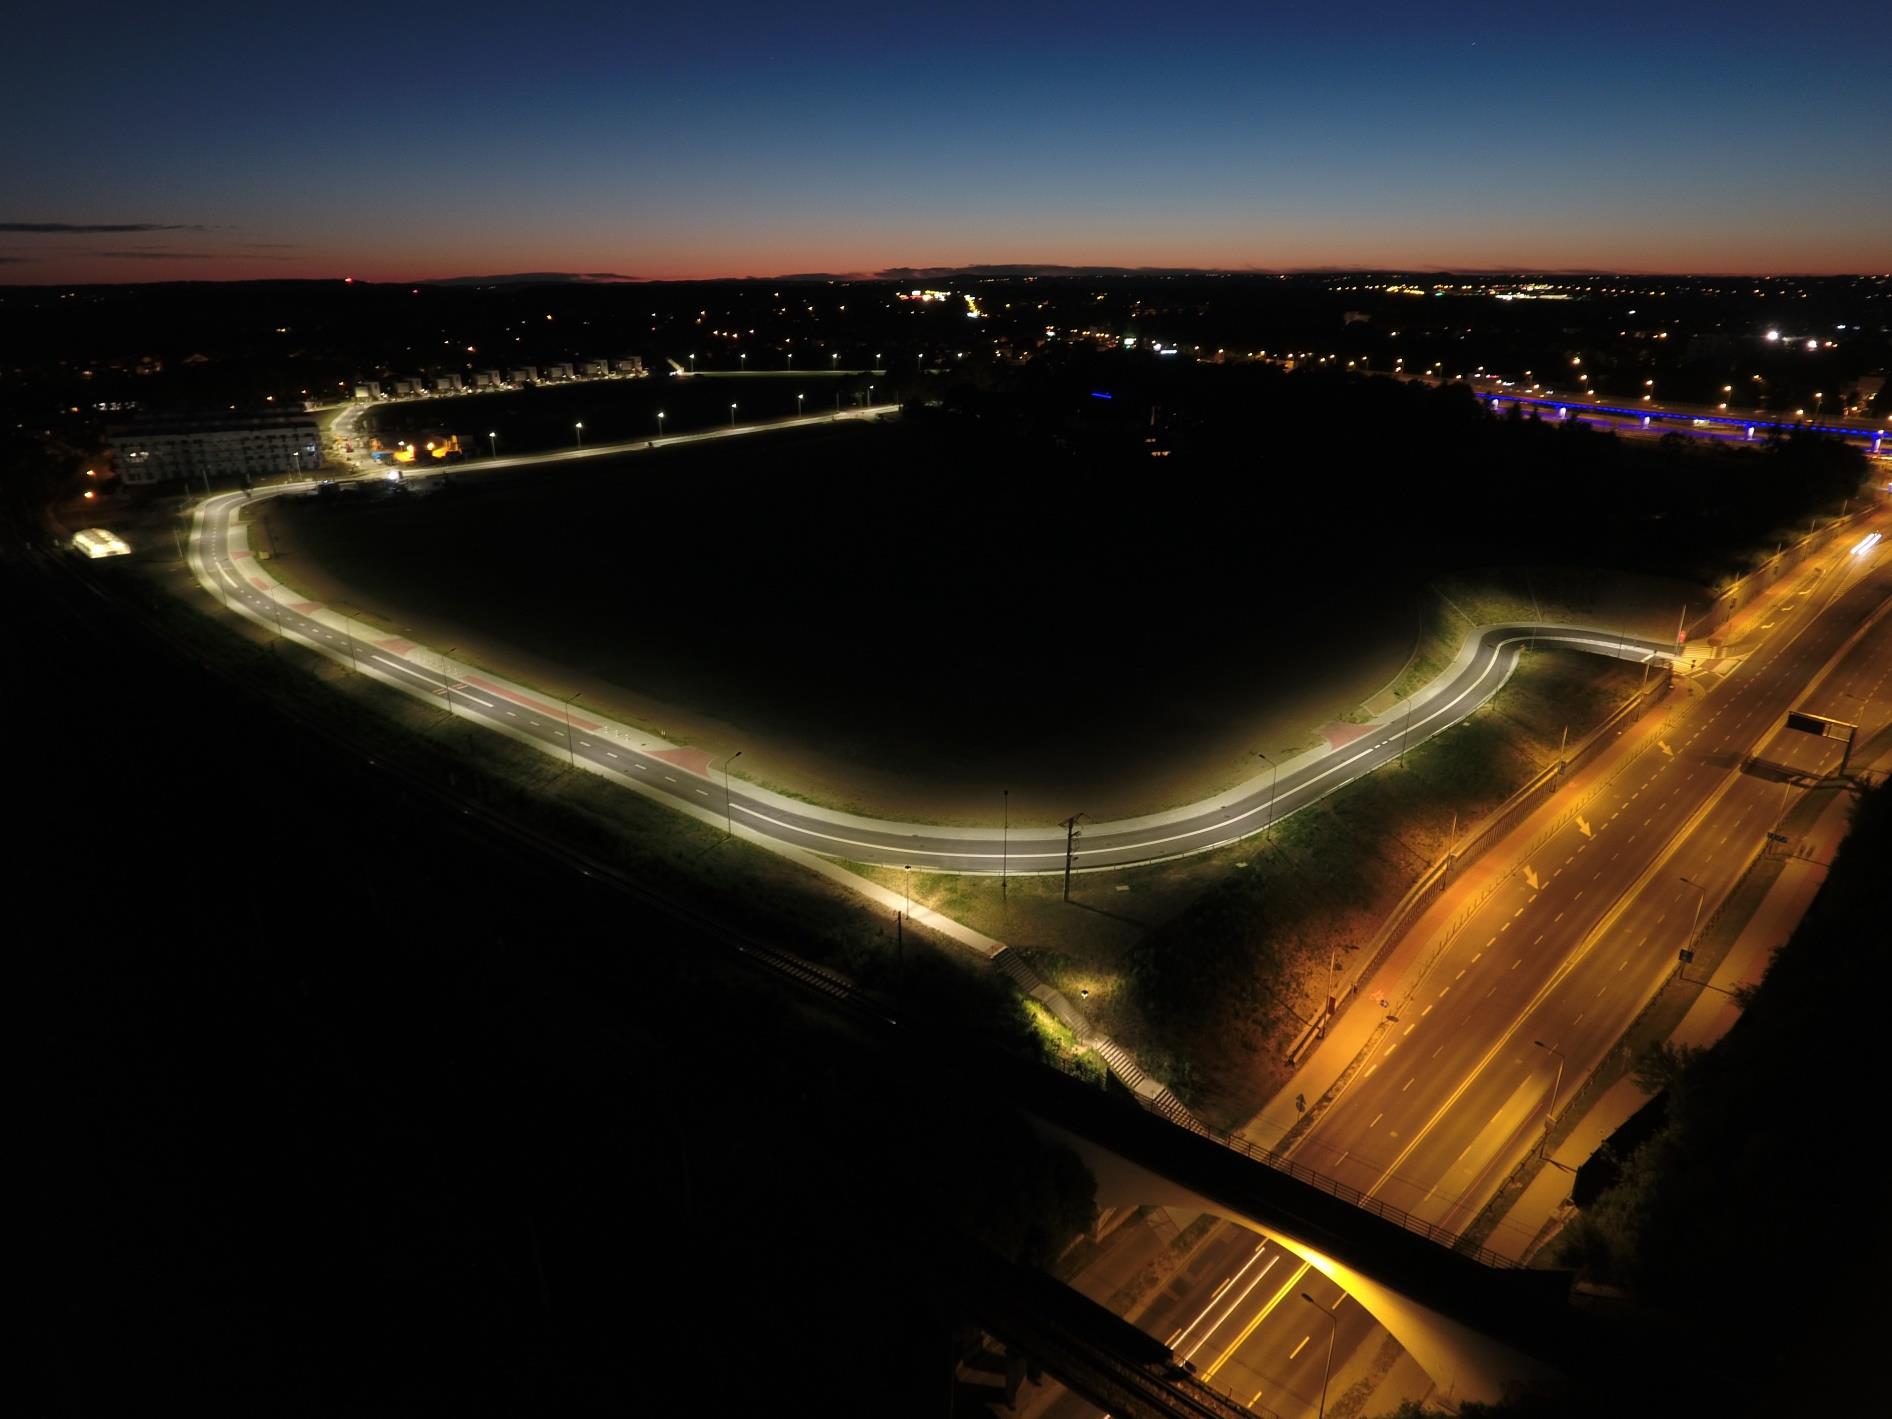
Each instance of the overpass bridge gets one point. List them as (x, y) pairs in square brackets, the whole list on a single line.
[(1478, 1324), (1726, 427)]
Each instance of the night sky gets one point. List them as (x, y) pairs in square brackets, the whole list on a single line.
[(387, 142)]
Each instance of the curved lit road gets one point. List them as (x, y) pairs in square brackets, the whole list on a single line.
[(223, 565)]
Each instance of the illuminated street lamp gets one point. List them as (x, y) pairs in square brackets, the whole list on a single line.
[(1333, 1329), (660, 423), (580, 428), (798, 399), (742, 362), (692, 364), (732, 416), (834, 359), (492, 440), (1556, 1085)]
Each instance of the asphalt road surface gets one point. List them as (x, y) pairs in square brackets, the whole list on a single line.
[(1552, 969), (1224, 819)]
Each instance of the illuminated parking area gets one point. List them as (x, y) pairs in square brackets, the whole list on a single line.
[(96, 542)]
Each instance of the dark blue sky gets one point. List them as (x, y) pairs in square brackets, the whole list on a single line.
[(392, 142)]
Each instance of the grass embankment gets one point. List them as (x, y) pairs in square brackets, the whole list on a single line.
[(1207, 966), (677, 857)]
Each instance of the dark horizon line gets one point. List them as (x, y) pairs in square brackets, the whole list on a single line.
[(897, 274)]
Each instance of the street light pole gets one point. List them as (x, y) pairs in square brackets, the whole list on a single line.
[(1701, 895), (447, 675), (732, 416), (1556, 1085), (798, 399), (1333, 1329), (1070, 850), (1407, 731), (908, 869), (1274, 779), (580, 427), (571, 751), (492, 440), (660, 423), (729, 813), (1005, 845)]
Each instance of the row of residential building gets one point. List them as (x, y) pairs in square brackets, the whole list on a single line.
[(170, 448), (517, 377)]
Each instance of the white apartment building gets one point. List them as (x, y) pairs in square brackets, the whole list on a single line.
[(162, 450)]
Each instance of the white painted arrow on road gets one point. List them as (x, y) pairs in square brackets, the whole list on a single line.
[(1583, 826), (1530, 878)]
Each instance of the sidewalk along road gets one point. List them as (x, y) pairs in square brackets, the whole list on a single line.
[(1558, 961), (223, 563)]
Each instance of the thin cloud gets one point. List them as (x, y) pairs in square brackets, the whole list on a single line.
[(149, 255), (69, 228)]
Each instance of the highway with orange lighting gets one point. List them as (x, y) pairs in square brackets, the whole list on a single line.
[(1549, 972), (1454, 1091)]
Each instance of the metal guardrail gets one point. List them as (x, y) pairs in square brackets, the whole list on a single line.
[(1386, 1211)]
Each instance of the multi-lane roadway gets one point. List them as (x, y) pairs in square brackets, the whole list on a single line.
[(1546, 975), (1456, 1089)]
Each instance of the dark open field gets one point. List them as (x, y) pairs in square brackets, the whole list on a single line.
[(903, 617)]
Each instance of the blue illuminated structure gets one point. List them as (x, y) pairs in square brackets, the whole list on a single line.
[(1651, 417)]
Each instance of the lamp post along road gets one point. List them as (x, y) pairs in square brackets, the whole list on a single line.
[(571, 752), (1687, 951), (1274, 778), (1070, 850), (729, 812), (1333, 1329), (1005, 844), (1556, 1086)]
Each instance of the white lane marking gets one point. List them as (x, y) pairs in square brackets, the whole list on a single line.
[(1220, 824)]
